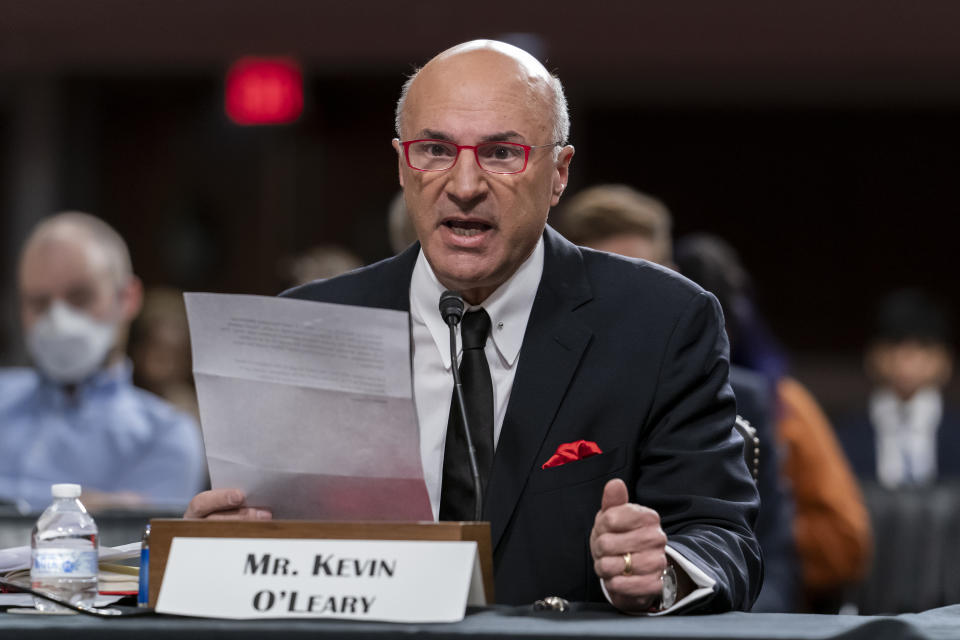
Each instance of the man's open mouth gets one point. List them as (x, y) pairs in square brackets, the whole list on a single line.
[(467, 228)]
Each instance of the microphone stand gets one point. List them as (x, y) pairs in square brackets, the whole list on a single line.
[(451, 306)]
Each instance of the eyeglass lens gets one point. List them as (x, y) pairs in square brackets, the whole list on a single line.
[(436, 155)]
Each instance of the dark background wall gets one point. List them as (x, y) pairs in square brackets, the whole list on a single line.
[(819, 137)]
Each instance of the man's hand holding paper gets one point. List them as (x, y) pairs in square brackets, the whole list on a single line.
[(224, 504)]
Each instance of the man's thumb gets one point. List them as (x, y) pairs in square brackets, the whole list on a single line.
[(614, 494)]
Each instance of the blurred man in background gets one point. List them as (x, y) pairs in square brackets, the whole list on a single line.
[(908, 437), (620, 219), (76, 417), (400, 229)]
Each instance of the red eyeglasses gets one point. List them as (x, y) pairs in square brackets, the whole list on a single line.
[(494, 157)]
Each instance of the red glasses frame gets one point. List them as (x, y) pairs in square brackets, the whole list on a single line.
[(476, 155)]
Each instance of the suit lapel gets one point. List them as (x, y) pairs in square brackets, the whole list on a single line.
[(553, 345)]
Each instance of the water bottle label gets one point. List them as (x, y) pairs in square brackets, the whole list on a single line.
[(143, 596), (63, 563)]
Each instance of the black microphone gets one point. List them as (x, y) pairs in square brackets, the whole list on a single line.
[(451, 309)]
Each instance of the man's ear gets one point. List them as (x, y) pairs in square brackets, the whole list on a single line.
[(131, 298), (561, 175), (399, 150)]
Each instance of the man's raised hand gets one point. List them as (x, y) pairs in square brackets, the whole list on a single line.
[(629, 549)]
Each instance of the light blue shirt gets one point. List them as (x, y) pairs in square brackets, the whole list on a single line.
[(107, 436)]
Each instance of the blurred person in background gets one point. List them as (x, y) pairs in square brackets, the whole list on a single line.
[(318, 263), (831, 526), (76, 416), (619, 219), (908, 436), (160, 349), (400, 228)]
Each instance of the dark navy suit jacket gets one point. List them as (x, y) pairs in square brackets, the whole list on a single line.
[(633, 357)]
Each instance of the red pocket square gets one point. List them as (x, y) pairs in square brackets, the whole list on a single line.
[(571, 451)]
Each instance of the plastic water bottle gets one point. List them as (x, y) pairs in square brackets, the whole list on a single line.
[(64, 550)]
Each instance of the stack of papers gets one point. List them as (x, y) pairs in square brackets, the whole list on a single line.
[(15, 558), (115, 580)]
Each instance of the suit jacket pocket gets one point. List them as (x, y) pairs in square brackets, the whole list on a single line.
[(576, 472)]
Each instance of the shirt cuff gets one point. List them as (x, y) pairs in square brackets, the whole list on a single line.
[(705, 584)]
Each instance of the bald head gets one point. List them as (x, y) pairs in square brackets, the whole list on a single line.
[(477, 225), (481, 60), (102, 245)]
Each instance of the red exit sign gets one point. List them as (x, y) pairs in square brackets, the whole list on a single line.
[(261, 91)]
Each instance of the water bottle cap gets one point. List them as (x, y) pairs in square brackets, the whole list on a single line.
[(65, 490)]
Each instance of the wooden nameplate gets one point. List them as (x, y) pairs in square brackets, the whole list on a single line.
[(164, 530)]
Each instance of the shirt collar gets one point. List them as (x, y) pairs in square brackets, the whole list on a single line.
[(508, 307), (119, 373), (922, 412)]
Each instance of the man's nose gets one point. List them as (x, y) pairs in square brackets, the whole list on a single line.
[(466, 184)]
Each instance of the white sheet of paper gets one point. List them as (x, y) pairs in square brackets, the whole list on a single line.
[(308, 406)]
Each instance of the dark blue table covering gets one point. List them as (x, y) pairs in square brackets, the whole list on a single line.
[(584, 622)]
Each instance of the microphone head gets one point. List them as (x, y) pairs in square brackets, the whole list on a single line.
[(451, 307)]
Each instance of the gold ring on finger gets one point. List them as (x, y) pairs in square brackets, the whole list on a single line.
[(627, 564)]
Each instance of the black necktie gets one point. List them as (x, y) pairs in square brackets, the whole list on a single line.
[(457, 494)]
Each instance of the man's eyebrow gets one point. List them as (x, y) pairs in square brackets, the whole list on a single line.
[(430, 134), (503, 136)]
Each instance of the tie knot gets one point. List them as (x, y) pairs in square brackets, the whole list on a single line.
[(474, 329)]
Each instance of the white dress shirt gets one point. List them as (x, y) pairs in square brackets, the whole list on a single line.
[(906, 436), (509, 309)]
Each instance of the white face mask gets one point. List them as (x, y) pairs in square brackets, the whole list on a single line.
[(69, 345)]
